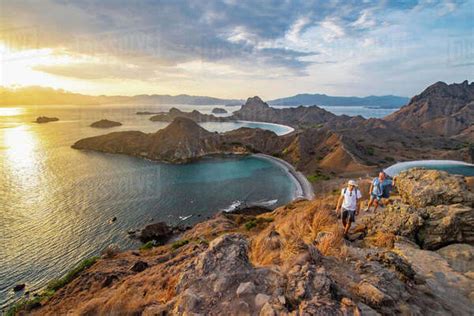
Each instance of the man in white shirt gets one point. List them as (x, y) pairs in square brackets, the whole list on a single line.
[(350, 203)]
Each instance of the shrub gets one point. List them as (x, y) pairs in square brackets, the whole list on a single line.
[(147, 246), (370, 151), (318, 177), (179, 243), (389, 159), (56, 284), (256, 221), (51, 288)]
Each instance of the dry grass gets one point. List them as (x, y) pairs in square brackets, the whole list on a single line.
[(292, 232), (381, 239)]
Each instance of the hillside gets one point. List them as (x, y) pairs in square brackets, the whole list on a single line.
[(409, 259), (386, 101), (441, 109)]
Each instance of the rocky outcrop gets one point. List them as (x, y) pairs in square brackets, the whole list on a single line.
[(421, 188), (436, 209), (441, 109), (45, 119), (105, 124)]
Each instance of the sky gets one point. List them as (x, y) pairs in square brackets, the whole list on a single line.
[(236, 48)]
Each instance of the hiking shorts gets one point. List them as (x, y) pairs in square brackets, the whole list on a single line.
[(348, 214), (376, 197)]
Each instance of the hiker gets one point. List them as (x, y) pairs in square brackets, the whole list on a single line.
[(376, 191), (350, 203)]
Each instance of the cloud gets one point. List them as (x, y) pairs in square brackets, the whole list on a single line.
[(303, 39)]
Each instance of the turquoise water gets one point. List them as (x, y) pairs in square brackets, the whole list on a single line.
[(56, 202), (451, 166)]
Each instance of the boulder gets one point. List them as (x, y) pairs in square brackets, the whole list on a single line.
[(459, 256), (421, 188), (19, 287), (261, 299), (139, 266), (245, 288), (159, 232)]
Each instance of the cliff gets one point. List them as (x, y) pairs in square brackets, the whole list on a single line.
[(294, 261)]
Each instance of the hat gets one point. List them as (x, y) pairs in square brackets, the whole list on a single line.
[(352, 182)]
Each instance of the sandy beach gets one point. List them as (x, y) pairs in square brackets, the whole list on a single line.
[(304, 189)]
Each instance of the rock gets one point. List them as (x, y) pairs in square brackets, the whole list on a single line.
[(159, 232), (139, 266), (449, 287), (261, 299), (109, 280), (373, 296), (113, 219), (459, 256), (45, 119), (446, 224), (187, 303), (427, 213), (19, 287), (245, 288), (105, 124), (421, 188), (110, 251)]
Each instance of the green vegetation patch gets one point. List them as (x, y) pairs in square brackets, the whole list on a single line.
[(318, 176), (56, 284), (179, 243), (256, 221), (147, 246)]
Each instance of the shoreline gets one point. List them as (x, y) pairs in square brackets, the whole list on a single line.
[(290, 129), (304, 189)]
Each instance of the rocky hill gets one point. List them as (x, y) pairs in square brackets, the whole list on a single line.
[(257, 110), (415, 257), (181, 141), (442, 109)]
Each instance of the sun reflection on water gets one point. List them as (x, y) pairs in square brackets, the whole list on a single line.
[(11, 111), (20, 156)]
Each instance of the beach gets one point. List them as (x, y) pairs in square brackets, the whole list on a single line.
[(304, 189)]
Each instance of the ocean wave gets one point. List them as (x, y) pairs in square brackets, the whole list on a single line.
[(232, 207)]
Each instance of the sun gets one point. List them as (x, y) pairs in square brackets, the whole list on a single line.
[(17, 66)]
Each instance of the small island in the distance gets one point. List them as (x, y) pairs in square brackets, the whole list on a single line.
[(45, 119), (105, 124), (219, 111)]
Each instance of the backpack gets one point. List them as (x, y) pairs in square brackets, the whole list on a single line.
[(387, 186), (356, 190)]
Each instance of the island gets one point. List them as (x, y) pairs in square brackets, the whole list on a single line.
[(323, 145), (45, 119), (219, 111), (105, 124)]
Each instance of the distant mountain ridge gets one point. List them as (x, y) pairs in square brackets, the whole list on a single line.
[(36, 95), (385, 101), (48, 96)]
